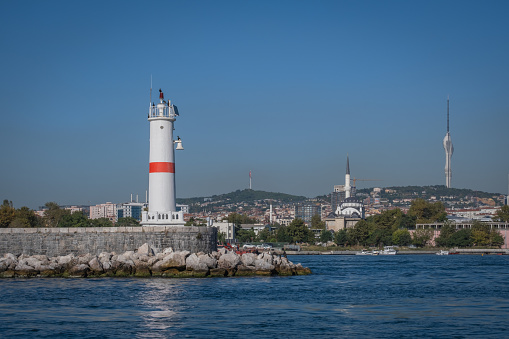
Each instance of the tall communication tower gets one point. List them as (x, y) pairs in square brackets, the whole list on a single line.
[(449, 149)]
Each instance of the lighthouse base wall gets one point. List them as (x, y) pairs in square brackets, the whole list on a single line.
[(94, 240)]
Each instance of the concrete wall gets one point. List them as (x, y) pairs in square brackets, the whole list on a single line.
[(94, 240)]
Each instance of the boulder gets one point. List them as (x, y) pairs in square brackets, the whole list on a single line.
[(218, 272), (5, 263), (141, 269), (262, 265), (193, 263), (23, 270), (243, 270), (145, 249), (208, 260), (229, 260), (84, 258), (66, 260), (95, 266), (78, 271), (10, 256), (248, 259), (175, 260)]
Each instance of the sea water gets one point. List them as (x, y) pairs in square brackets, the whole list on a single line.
[(404, 296)]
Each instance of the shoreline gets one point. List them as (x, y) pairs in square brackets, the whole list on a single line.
[(476, 251)]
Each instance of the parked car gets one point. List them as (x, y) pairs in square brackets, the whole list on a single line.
[(249, 246)]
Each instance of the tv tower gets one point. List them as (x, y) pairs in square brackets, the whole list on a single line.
[(162, 209), (449, 149)]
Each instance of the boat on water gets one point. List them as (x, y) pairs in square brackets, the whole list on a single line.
[(366, 252), (388, 250), (442, 252)]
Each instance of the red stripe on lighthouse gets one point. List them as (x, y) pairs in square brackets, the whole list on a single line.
[(162, 167)]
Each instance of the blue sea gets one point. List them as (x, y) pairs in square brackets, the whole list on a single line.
[(403, 296)]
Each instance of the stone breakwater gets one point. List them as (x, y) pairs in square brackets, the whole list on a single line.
[(59, 241), (146, 262)]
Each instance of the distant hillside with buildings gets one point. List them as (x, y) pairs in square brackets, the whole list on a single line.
[(450, 197), (231, 201)]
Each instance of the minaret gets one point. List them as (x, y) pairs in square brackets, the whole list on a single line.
[(449, 149), (348, 189), (162, 210)]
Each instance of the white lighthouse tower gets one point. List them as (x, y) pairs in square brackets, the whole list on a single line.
[(162, 210)]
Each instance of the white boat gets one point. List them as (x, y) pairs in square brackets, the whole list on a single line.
[(364, 252), (388, 250), (442, 252)]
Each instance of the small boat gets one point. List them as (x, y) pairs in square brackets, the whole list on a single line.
[(442, 252), (365, 252), (388, 250)]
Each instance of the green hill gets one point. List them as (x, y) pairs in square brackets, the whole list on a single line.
[(246, 196)]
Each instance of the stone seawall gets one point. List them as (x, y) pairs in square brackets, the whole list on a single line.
[(94, 240)]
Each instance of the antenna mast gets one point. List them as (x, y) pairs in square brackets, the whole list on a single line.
[(447, 113), (150, 103)]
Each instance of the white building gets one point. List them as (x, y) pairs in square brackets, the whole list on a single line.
[(225, 227), (107, 210)]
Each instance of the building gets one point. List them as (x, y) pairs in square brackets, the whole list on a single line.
[(346, 211), (227, 228), (107, 210), (183, 208), (307, 211), (131, 210), (501, 227)]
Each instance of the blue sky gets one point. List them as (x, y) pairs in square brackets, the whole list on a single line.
[(282, 88)]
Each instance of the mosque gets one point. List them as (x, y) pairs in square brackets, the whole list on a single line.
[(347, 209)]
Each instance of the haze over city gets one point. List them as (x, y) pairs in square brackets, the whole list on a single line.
[(283, 89)]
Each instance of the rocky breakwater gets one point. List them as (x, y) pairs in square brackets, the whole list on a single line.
[(145, 262)]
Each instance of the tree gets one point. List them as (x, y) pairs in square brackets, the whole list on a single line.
[(480, 234), (127, 221), (446, 233), (360, 232), (496, 238), (427, 212), (317, 223), (7, 213), (401, 237), (101, 222), (263, 235), (421, 237), (25, 217), (299, 232), (407, 221), (502, 214), (221, 237), (245, 235), (460, 238), (53, 214), (76, 219), (282, 234), (326, 236), (389, 220), (341, 237)]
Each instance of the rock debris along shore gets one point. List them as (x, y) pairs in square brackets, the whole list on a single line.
[(145, 262)]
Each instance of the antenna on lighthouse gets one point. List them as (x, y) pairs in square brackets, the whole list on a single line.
[(150, 102)]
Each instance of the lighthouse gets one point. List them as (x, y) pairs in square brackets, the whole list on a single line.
[(162, 210)]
